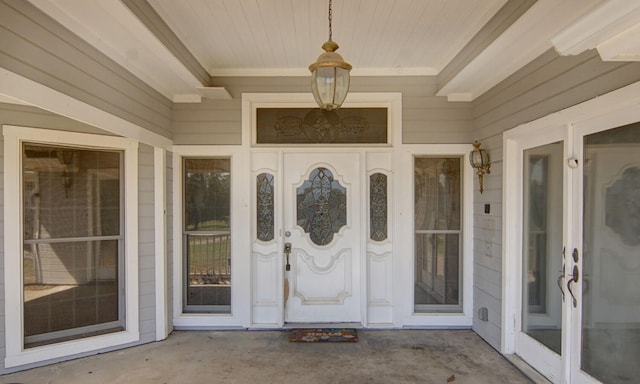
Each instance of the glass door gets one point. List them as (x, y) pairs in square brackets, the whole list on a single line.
[(577, 313), (539, 331), (605, 328)]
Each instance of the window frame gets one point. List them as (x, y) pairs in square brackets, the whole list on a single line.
[(404, 311), (14, 136), (239, 317)]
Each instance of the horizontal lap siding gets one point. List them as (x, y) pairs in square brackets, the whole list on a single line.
[(36, 47), (27, 116), (549, 84), (426, 118), (146, 243)]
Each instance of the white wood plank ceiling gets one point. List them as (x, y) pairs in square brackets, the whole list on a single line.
[(259, 37), (378, 37)]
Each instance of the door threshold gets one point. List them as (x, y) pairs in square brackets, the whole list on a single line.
[(322, 325)]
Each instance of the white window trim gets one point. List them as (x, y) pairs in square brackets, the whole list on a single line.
[(16, 354), (240, 232)]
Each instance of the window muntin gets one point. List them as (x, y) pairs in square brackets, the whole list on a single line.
[(438, 234), (72, 242), (207, 235)]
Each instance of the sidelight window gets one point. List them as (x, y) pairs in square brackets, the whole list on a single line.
[(438, 234), (207, 235)]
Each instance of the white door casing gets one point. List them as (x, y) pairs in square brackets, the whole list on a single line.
[(324, 280)]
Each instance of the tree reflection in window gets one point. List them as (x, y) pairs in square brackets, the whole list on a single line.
[(321, 206)]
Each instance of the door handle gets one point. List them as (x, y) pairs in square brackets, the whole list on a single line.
[(561, 283), (560, 279), (575, 276), (287, 252)]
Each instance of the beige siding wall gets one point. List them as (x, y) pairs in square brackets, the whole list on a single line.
[(426, 118), (36, 47), (548, 84), (27, 116), (146, 244)]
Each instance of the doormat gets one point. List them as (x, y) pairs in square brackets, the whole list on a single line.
[(310, 335)]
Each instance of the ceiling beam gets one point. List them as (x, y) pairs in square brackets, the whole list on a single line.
[(500, 22), (150, 18)]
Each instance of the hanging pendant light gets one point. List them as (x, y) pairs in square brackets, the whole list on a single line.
[(330, 75)]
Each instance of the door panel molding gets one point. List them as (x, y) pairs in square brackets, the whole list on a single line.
[(338, 270)]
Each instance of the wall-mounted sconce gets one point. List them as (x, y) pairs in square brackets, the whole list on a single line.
[(479, 159)]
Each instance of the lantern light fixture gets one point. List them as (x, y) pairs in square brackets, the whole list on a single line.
[(330, 74), (479, 159)]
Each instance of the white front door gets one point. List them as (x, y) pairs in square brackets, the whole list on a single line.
[(322, 223)]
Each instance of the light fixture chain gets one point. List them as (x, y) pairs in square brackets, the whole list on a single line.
[(330, 14)]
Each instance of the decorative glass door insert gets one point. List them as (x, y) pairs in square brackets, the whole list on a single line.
[(321, 206)]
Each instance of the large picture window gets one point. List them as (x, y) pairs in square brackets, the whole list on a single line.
[(71, 243), (72, 231)]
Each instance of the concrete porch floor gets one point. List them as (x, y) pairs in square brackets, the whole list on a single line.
[(381, 356)]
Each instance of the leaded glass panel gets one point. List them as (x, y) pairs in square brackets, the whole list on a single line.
[(264, 197), (378, 206), (318, 126), (321, 206)]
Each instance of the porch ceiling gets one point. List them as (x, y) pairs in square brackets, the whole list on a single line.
[(180, 47)]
